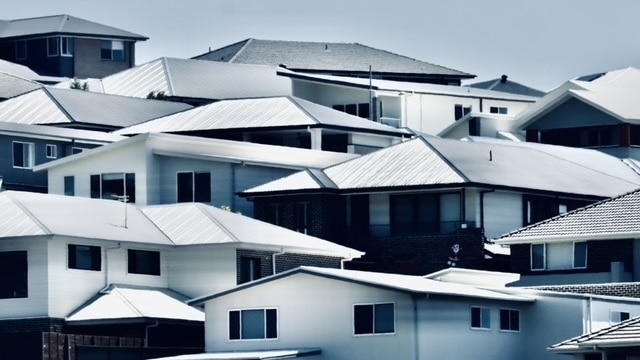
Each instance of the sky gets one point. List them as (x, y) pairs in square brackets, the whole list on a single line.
[(538, 43)]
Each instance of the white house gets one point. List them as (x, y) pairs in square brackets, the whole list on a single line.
[(368, 315)]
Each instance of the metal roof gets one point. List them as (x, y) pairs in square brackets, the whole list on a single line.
[(62, 24), (430, 161), (12, 85), (503, 84), (259, 113), (395, 282), (248, 355), (197, 79), (615, 218), (120, 302), (59, 133), (49, 105), (318, 56), (624, 334)]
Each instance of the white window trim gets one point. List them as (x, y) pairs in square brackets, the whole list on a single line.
[(509, 330), (65, 39), (544, 257), (481, 310), (32, 159), (54, 152), (57, 48), (353, 317), (264, 309), (573, 255)]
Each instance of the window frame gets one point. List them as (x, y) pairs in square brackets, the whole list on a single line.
[(620, 316), (66, 46), (96, 186), (30, 157), (545, 249), (544, 257), (374, 331), (134, 267), (483, 310), (95, 257), (250, 269), (51, 151), (510, 320), (197, 194), (17, 277), (267, 327), (111, 50), (502, 110), (586, 257), (21, 47), (51, 47), (69, 184)]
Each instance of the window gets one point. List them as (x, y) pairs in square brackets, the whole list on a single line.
[(84, 257), (360, 110), (459, 111), (560, 256), (374, 319), (53, 44), (13, 274), (21, 49), (249, 269), (538, 208), (66, 46), (509, 320), (303, 217), (258, 324), (618, 316), (112, 50), (69, 185), (274, 214), (480, 318), (113, 186), (498, 110), (52, 151), (194, 187), (144, 262), (23, 155)]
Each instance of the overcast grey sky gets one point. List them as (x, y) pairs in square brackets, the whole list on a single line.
[(539, 43)]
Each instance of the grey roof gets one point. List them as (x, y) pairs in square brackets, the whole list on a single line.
[(56, 106), (319, 56), (503, 84), (396, 282), (12, 85), (615, 218), (196, 79), (434, 162), (34, 214), (62, 25), (260, 113), (624, 334)]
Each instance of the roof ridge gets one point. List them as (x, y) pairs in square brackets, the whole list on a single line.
[(19, 204), (444, 158), (295, 102), (247, 42), (201, 208), (125, 301), (57, 103), (167, 74)]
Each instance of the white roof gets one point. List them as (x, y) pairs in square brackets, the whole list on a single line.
[(122, 302), (474, 277), (59, 133), (247, 355)]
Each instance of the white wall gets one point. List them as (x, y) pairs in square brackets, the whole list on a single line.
[(202, 270), (502, 213)]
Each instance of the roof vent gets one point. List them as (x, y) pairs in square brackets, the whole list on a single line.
[(503, 79), (284, 66)]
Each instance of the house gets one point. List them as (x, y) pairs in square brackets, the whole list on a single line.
[(430, 203), (195, 82), (389, 316), (619, 341), (67, 46), (27, 146), (596, 111), (285, 121), (83, 110), (341, 59), (594, 244), (503, 84), (157, 168), (118, 274), (427, 108)]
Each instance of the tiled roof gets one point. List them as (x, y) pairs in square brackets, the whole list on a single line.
[(619, 289), (615, 218), (319, 56), (503, 84), (624, 334), (62, 24)]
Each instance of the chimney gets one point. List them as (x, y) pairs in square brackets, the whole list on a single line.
[(503, 79)]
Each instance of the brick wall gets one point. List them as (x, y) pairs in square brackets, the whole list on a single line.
[(612, 289), (284, 261)]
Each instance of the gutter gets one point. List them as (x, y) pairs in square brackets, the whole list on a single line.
[(273, 259)]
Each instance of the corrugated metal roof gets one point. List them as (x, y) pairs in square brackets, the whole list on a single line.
[(258, 113), (63, 24), (615, 218), (65, 106), (196, 79), (624, 334), (59, 133), (17, 70), (11, 85), (508, 86), (122, 303), (305, 55)]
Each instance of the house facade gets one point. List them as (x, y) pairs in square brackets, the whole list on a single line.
[(63, 278), (67, 46), (430, 203), (383, 316)]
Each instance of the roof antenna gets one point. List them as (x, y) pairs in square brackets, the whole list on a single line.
[(490, 156), (125, 199)]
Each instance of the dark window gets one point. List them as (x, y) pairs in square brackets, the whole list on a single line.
[(480, 318), (498, 110), (416, 213), (52, 151), (23, 155), (274, 214), (474, 127), (363, 110), (53, 44), (374, 319), (13, 274), (114, 186), (253, 324), (360, 110), (538, 208), (193, 187), (66, 46), (249, 269), (538, 254), (509, 320), (69, 186), (85, 257), (618, 316), (144, 262), (112, 50), (460, 111), (303, 217), (579, 255), (21, 49)]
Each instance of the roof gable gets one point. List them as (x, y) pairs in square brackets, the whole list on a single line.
[(507, 86)]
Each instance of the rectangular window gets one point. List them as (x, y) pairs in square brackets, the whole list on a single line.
[(53, 44), (274, 214), (559, 256), (618, 316), (371, 319), (193, 187), (85, 257), (21, 49), (303, 217), (498, 110), (509, 320), (144, 262), (579, 255), (360, 110), (256, 324), (23, 155), (459, 111), (70, 185), (480, 318), (13, 274), (112, 50), (538, 256), (114, 186), (66, 46), (249, 269), (52, 151)]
